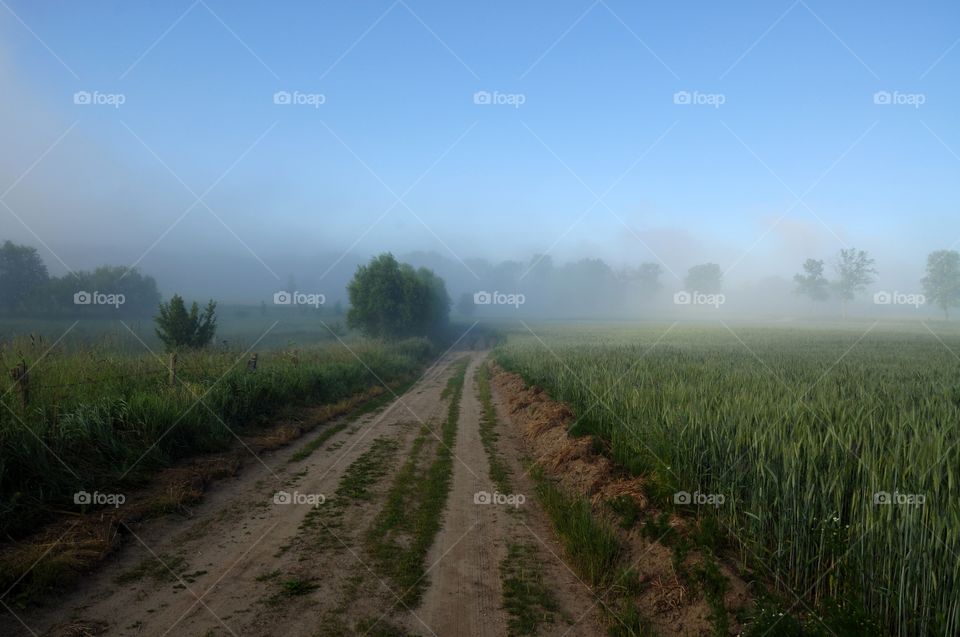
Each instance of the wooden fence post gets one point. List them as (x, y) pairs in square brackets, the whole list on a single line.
[(296, 358), (173, 369), (252, 363), (21, 377)]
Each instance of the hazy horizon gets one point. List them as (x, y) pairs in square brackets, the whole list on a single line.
[(224, 150)]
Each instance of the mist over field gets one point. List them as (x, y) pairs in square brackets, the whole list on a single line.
[(419, 318), (199, 168)]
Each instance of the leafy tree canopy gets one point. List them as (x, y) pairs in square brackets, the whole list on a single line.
[(706, 278), (392, 300), (941, 285), (812, 282)]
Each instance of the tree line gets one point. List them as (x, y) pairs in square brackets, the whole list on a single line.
[(855, 270), (27, 289), (388, 299)]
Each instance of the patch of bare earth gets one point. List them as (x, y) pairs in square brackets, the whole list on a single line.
[(464, 594), (667, 604)]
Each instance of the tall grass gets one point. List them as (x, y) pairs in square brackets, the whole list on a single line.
[(99, 420), (798, 430)]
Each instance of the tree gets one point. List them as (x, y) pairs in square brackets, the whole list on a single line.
[(390, 300), (178, 328), (22, 273), (139, 292), (855, 272), (647, 278), (466, 305), (812, 283), (377, 298), (706, 278), (942, 283)]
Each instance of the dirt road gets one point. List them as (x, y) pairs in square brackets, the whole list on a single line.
[(386, 528)]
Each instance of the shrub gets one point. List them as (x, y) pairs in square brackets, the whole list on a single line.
[(179, 329)]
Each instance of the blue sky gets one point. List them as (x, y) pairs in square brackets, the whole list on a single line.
[(690, 182)]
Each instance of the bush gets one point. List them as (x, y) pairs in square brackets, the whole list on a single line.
[(180, 329), (391, 300)]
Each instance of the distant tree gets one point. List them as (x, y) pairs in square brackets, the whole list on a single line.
[(139, 291), (377, 300), (22, 273), (588, 286), (390, 300), (941, 285), (433, 312), (465, 305), (706, 278), (855, 272), (179, 329), (812, 283), (647, 278)]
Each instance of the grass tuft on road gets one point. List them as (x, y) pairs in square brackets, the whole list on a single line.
[(499, 471), (526, 597), (405, 528)]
